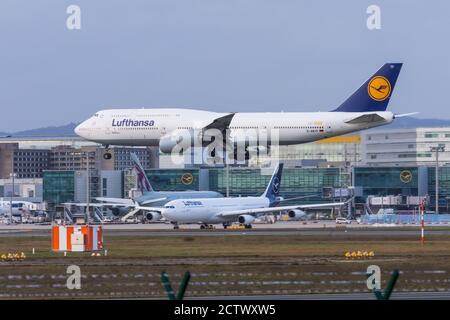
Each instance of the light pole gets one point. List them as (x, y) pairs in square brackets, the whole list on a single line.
[(12, 176), (439, 148), (87, 187), (227, 178)]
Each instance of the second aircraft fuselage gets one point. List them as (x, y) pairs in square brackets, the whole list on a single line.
[(146, 127), (208, 210)]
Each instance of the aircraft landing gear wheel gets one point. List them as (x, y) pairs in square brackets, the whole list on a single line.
[(107, 155), (248, 226), (176, 227)]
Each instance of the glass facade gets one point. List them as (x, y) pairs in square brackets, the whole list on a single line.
[(348, 152), (174, 179), (59, 186), (129, 182), (296, 182), (444, 186), (122, 159), (384, 181)]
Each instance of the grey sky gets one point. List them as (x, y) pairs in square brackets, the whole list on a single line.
[(220, 55)]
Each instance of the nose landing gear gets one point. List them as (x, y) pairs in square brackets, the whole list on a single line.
[(107, 155)]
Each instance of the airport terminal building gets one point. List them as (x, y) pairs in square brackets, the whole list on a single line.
[(405, 147), (310, 183), (375, 163)]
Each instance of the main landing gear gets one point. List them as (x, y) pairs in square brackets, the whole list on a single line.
[(237, 226), (107, 155), (175, 225), (207, 226)]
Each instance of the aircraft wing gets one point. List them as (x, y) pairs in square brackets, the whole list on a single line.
[(221, 123), (95, 204), (366, 118), (261, 211), (127, 202), (301, 197), (122, 201), (153, 209), (137, 208), (153, 200)]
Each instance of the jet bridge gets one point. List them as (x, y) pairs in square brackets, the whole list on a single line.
[(98, 215)]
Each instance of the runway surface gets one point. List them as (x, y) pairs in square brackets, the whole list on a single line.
[(336, 296), (276, 229)]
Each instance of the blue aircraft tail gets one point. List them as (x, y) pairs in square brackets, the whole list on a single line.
[(375, 93), (273, 188)]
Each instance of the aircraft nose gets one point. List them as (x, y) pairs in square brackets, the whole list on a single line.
[(167, 213), (78, 129)]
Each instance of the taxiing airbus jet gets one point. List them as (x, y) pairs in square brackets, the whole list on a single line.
[(365, 108), (234, 209)]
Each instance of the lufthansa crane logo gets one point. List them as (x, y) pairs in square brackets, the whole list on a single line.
[(187, 178), (379, 88), (276, 185), (406, 176)]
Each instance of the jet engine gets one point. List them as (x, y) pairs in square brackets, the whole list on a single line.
[(242, 153), (153, 216), (180, 138), (257, 149), (296, 214), (246, 219), (120, 211)]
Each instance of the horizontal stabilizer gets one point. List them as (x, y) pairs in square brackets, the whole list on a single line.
[(366, 118), (128, 202)]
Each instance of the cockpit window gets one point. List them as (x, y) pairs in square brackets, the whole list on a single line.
[(169, 207), (96, 115)]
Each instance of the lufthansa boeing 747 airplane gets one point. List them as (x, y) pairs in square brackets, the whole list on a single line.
[(365, 108)]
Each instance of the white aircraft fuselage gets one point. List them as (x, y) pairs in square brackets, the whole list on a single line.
[(146, 127), (365, 108), (207, 210)]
